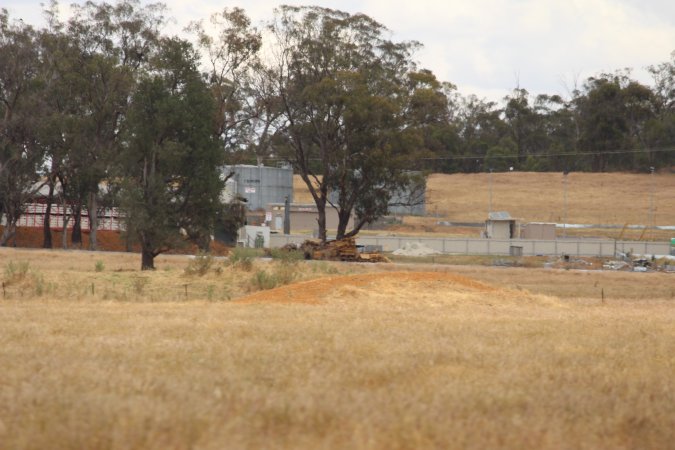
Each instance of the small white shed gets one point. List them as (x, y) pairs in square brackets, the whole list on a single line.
[(500, 225)]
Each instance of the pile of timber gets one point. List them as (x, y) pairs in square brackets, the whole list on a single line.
[(338, 250)]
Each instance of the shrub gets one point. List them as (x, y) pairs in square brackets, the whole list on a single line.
[(199, 265), (99, 266), (263, 280), (16, 272), (283, 274), (242, 258)]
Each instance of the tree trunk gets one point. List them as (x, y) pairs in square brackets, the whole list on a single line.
[(64, 228), (343, 222), (92, 206), (76, 235), (46, 227), (64, 235), (8, 233), (204, 243), (12, 214), (321, 221), (147, 259)]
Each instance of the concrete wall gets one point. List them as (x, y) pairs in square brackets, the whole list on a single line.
[(572, 247), (535, 230), (303, 218)]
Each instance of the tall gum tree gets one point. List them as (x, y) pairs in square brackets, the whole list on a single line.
[(340, 87), (115, 42), (21, 156), (169, 166)]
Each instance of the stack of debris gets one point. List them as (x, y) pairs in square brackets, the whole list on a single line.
[(338, 250)]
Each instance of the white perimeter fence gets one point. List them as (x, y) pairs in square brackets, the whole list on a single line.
[(525, 247)]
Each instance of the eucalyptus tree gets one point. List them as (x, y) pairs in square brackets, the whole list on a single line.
[(61, 112), (169, 163), (113, 43), (613, 112), (660, 130), (341, 88), (230, 46), (481, 128), (429, 113), (21, 157)]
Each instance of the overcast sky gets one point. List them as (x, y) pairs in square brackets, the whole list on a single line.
[(488, 47)]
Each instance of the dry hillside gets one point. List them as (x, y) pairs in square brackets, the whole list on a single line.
[(592, 198)]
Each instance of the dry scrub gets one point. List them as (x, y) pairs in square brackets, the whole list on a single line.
[(384, 357)]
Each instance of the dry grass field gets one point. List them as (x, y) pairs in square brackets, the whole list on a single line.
[(592, 198), (346, 356)]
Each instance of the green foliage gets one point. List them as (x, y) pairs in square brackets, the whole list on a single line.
[(169, 170), (503, 156), (349, 89), (99, 266)]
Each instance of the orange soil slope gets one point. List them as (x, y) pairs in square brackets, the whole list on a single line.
[(322, 290)]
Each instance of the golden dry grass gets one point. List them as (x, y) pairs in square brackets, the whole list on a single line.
[(593, 198), (375, 356)]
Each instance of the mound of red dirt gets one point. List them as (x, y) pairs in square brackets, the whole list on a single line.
[(319, 290)]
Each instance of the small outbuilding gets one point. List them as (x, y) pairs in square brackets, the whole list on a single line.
[(500, 225)]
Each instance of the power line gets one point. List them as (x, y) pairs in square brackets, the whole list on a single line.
[(548, 155), (534, 155)]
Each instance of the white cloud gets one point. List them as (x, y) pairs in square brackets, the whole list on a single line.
[(490, 45)]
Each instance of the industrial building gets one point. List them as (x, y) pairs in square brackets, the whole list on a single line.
[(258, 186)]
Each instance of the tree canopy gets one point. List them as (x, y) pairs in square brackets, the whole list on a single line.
[(108, 98)]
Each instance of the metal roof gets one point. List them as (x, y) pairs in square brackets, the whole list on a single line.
[(500, 215)]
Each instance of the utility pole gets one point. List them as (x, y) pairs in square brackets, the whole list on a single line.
[(651, 222), (287, 216), (490, 193), (565, 173)]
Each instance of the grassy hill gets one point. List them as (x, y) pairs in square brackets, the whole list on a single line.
[(595, 198), (592, 198)]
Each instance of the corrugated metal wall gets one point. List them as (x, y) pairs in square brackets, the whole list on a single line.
[(261, 185)]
